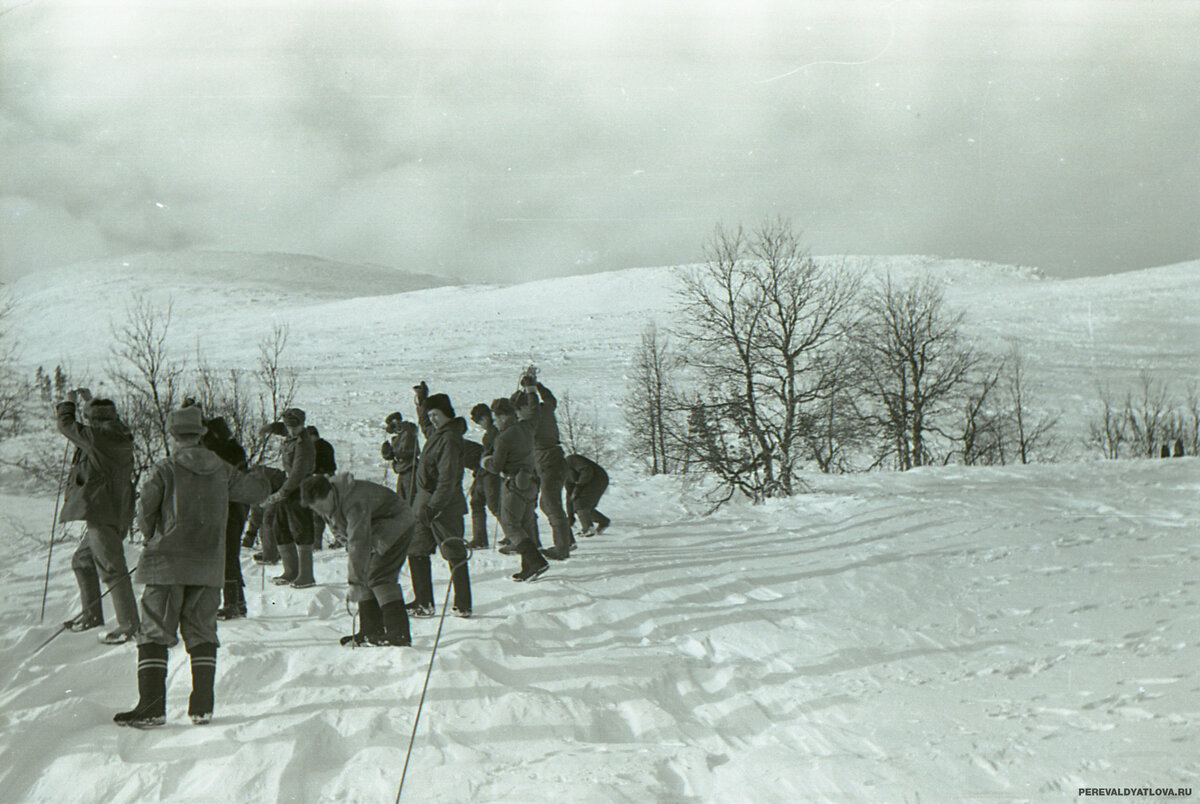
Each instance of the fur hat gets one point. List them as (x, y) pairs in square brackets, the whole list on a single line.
[(102, 410), (502, 407), (292, 417), (185, 422), (439, 402)]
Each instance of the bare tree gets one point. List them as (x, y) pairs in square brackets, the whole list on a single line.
[(1148, 415), (984, 424), (1033, 434), (148, 377), (582, 432), (1108, 429), (913, 365), (277, 381), (759, 319), (14, 389), (650, 405)]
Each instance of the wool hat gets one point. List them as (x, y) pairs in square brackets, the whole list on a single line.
[(185, 422), (440, 402), (502, 407), (292, 417)]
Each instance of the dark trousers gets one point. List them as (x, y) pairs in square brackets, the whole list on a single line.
[(101, 557), (552, 474), (293, 522), (234, 522), (518, 517)]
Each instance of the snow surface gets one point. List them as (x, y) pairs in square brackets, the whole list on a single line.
[(946, 634)]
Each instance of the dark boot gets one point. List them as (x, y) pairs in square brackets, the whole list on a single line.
[(532, 563), (395, 625), (151, 709), (420, 571), (460, 579), (204, 674), (234, 598), (304, 576), (370, 624), (291, 564)]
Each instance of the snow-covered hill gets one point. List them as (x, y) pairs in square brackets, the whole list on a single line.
[(943, 635)]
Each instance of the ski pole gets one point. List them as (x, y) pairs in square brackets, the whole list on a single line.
[(429, 670), (62, 473), (67, 624)]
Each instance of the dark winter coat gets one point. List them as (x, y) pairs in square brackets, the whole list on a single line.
[(472, 455), (218, 438), (100, 484), (582, 472), (440, 471), (402, 448), (182, 512), (298, 459), (324, 461), (512, 455), (371, 518), (545, 423)]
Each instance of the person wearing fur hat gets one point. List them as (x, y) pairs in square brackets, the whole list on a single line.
[(292, 523), (440, 504), (99, 492), (512, 459), (401, 451), (550, 461), (377, 526), (181, 513)]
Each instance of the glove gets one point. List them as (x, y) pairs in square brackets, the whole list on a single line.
[(385, 451), (422, 391)]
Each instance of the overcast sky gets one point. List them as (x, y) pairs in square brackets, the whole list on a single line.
[(510, 140)]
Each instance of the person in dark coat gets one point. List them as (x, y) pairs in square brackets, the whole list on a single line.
[(325, 464), (291, 522), (99, 492), (484, 494), (377, 525), (401, 451), (219, 439), (512, 459), (550, 461), (182, 510), (440, 504), (585, 484)]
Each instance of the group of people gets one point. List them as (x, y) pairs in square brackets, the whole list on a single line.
[(193, 506)]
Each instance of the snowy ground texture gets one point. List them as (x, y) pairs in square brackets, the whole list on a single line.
[(943, 635)]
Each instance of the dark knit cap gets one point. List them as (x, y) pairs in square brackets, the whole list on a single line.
[(292, 417), (502, 407), (440, 402), (480, 411)]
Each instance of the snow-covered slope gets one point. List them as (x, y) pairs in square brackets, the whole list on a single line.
[(942, 635)]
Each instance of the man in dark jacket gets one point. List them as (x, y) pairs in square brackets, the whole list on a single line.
[(325, 464), (99, 492), (440, 504), (377, 526), (219, 439), (401, 450), (512, 459), (291, 522), (182, 511), (549, 459), (585, 484), (484, 495)]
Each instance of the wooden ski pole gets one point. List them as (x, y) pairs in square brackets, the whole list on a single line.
[(62, 473)]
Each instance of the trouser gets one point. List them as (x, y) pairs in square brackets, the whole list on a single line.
[(445, 531), (406, 485), (293, 522), (318, 528), (583, 503), (380, 578), (518, 517), (234, 522), (477, 498), (552, 473), (101, 557), (190, 610)]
